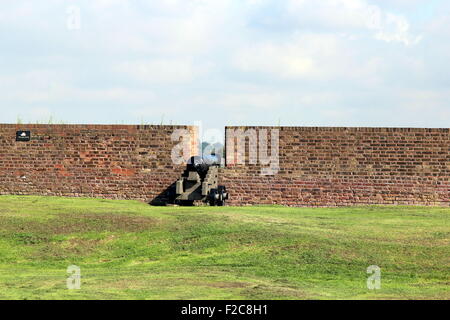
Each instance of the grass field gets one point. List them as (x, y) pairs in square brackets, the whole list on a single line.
[(129, 250)]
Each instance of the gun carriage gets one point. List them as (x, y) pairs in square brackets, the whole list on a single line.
[(199, 182)]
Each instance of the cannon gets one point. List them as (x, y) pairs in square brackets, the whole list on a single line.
[(199, 182)]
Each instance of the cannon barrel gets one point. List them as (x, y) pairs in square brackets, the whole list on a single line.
[(201, 165)]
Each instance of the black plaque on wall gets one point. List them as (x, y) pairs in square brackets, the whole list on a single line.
[(23, 136)]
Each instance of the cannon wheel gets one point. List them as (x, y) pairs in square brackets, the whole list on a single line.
[(212, 197), (213, 201), (222, 192), (219, 203)]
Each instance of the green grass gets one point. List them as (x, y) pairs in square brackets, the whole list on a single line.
[(129, 250)]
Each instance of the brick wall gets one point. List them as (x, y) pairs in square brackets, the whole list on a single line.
[(317, 166), (109, 161), (346, 166)]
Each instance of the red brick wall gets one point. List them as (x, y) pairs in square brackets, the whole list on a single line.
[(110, 161), (347, 166), (318, 166)]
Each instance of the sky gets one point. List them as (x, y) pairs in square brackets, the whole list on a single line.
[(226, 62)]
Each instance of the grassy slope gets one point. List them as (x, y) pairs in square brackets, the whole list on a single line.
[(127, 249)]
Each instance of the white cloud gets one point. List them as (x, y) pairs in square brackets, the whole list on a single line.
[(286, 60), (302, 56), (334, 51), (261, 100), (348, 61), (161, 27), (395, 29), (167, 71), (357, 15), (46, 87)]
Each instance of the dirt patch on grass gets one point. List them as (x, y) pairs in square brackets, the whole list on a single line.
[(73, 247), (136, 282), (101, 223), (273, 292), (225, 284), (72, 223)]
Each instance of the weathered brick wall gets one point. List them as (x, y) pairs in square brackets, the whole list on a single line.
[(317, 166), (346, 166), (109, 161)]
